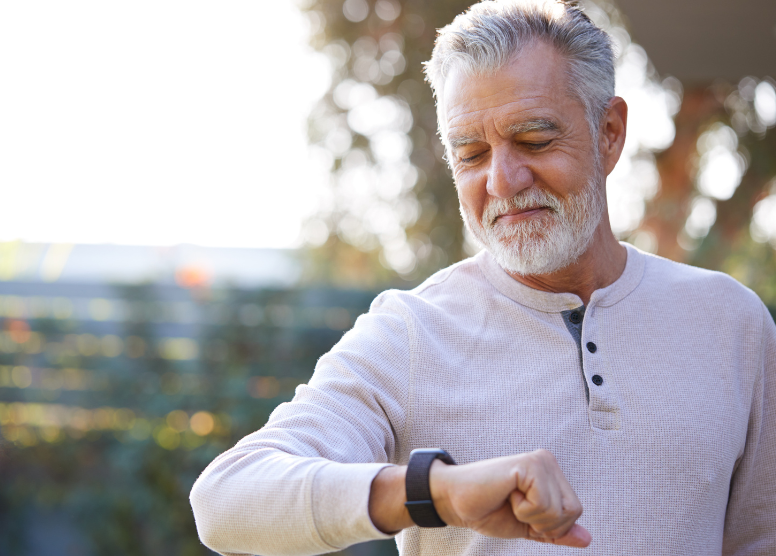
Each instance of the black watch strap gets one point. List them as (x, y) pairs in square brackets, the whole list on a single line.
[(419, 503)]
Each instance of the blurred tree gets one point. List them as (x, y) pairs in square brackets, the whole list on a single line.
[(716, 175), (392, 209)]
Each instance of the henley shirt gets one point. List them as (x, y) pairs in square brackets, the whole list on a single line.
[(660, 410)]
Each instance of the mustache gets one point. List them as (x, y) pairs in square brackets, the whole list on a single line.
[(531, 198)]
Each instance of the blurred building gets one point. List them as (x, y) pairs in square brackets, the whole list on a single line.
[(700, 41)]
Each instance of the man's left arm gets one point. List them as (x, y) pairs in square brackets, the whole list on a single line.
[(750, 524)]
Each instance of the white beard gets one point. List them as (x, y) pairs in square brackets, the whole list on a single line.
[(546, 244)]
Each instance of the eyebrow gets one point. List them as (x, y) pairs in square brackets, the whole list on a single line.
[(538, 124)]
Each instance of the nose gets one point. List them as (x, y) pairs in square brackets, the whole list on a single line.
[(508, 175)]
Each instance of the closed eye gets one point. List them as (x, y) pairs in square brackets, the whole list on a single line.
[(469, 159), (537, 146)]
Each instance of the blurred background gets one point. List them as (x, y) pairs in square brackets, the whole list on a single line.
[(199, 198)]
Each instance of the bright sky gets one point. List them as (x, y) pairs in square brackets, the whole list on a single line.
[(156, 122)]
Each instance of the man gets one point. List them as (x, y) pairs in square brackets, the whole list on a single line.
[(591, 394)]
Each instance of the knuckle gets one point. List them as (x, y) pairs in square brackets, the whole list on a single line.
[(544, 455), (541, 507)]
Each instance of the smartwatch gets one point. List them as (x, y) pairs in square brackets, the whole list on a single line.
[(419, 503)]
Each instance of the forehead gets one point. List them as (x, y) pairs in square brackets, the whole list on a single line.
[(534, 84)]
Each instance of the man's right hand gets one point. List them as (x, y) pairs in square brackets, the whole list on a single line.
[(522, 496)]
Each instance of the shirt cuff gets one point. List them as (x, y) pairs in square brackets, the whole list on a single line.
[(340, 493)]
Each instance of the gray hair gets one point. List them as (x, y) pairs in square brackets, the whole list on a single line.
[(488, 35)]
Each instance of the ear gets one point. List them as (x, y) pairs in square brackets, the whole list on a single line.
[(613, 128)]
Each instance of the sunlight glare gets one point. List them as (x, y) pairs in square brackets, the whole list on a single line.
[(157, 123)]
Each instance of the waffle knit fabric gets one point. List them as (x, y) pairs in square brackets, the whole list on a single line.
[(673, 453)]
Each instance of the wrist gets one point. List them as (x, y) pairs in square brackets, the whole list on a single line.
[(386, 500)]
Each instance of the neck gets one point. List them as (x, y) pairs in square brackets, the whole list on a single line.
[(598, 267)]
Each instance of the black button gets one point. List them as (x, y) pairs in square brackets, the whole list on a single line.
[(591, 347), (575, 318), (598, 380)]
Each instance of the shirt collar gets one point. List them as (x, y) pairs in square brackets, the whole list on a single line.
[(549, 302)]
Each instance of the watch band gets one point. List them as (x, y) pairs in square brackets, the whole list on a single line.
[(419, 503)]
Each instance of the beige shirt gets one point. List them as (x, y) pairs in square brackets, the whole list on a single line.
[(675, 452)]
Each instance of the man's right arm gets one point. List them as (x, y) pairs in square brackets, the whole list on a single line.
[(301, 484)]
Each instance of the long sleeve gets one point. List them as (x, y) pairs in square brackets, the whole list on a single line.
[(301, 484), (750, 525)]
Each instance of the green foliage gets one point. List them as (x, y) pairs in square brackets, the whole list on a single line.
[(729, 239), (108, 445)]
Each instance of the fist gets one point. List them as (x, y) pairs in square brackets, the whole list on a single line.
[(522, 496)]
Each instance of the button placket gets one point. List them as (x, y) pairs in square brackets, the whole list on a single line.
[(603, 407)]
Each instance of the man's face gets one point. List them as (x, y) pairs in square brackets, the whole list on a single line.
[(529, 178)]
